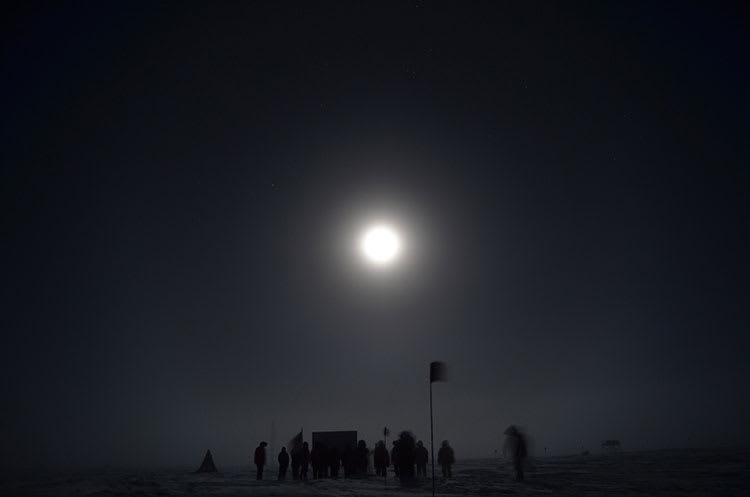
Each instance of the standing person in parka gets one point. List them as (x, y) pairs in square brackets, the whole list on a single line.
[(318, 460), (446, 458), (304, 461), (283, 463), (349, 461), (260, 460), (420, 458), (362, 454), (334, 462), (406, 456), (380, 459), (515, 445)]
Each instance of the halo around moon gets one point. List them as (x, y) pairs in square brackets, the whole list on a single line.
[(381, 245)]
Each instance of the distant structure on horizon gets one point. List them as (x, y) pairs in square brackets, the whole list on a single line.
[(611, 446), (207, 466)]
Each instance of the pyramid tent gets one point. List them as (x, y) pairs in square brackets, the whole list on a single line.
[(207, 466)]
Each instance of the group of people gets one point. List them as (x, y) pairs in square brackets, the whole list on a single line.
[(326, 462), (405, 455)]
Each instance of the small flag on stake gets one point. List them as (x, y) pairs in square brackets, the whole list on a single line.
[(438, 371)]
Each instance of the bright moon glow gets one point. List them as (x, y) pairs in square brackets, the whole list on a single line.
[(381, 244)]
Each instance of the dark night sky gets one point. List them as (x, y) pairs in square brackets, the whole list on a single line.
[(181, 185)]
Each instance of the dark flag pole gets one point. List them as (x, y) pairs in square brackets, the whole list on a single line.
[(437, 373), (386, 431), (432, 437)]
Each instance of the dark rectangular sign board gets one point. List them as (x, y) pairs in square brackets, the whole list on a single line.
[(338, 439)]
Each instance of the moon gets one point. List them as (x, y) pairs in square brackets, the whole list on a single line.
[(381, 245)]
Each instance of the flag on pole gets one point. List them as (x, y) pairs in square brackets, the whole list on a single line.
[(386, 432), (296, 442), (438, 371)]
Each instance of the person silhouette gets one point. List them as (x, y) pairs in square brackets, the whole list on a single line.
[(380, 459), (283, 463), (446, 458), (348, 459), (318, 460), (420, 458), (406, 456), (363, 454), (260, 460), (304, 461), (334, 462), (515, 444)]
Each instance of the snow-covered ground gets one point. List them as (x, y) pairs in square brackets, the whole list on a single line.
[(681, 472)]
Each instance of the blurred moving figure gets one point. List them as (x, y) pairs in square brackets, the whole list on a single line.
[(420, 458), (283, 463), (260, 460), (380, 459), (446, 458), (406, 456), (516, 448)]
